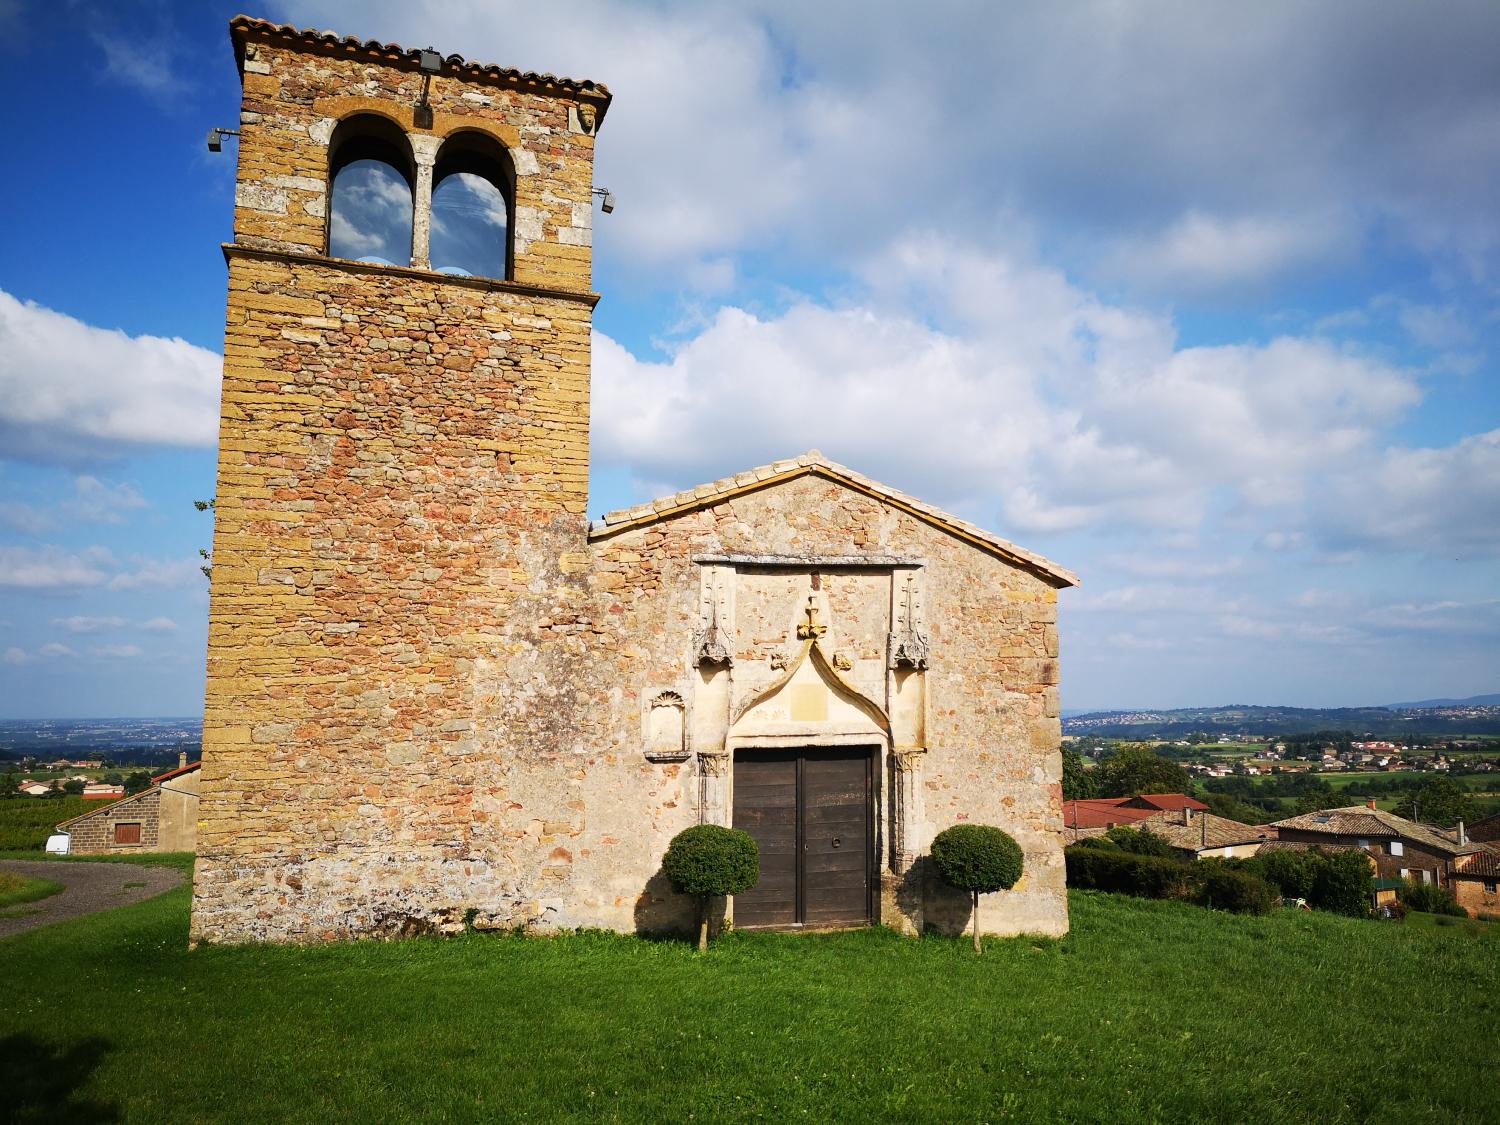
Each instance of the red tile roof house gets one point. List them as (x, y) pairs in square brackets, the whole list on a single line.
[(1403, 849), (1184, 821), (1476, 881)]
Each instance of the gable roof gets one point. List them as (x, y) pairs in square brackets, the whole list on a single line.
[(1207, 831), (813, 463), (176, 771), (1361, 820), (1167, 802), (111, 807), (1102, 812)]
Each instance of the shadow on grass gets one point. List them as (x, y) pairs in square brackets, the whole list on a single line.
[(41, 1080), (661, 914)]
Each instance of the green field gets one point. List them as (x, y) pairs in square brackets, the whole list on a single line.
[(26, 822), (17, 889), (1148, 1011)]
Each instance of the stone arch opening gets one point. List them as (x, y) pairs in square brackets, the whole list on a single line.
[(473, 206), (371, 183)]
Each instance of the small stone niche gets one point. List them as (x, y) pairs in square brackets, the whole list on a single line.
[(666, 739)]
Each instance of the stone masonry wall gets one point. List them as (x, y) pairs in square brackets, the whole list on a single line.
[(403, 470), (992, 719), (94, 833)]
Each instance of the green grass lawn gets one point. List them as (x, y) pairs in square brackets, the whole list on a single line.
[(16, 889), (1147, 1011)]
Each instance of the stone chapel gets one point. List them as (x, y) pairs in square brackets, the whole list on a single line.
[(438, 695)]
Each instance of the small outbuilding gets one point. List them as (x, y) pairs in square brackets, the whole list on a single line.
[(163, 818)]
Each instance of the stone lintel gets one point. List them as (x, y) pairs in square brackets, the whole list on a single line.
[(827, 562)]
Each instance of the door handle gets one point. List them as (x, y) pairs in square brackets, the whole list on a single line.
[(838, 843)]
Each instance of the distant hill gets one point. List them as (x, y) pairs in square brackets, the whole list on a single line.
[(1491, 700), (1253, 721)]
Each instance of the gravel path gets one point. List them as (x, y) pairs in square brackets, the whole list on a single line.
[(88, 887)]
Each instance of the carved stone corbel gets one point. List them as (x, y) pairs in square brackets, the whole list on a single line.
[(908, 646), (713, 786)]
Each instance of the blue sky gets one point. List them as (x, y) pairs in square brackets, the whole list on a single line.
[(1199, 300)]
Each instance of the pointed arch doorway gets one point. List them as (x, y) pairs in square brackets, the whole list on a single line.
[(807, 752)]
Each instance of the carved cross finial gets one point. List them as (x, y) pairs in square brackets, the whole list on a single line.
[(812, 628)]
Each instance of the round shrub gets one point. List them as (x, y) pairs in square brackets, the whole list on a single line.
[(977, 858), (709, 859), (1342, 884)]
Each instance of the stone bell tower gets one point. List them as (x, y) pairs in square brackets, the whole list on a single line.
[(403, 462)]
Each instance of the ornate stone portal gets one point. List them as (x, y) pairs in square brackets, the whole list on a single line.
[(845, 667)]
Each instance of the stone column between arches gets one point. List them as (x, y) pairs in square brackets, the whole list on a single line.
[(424, 148)]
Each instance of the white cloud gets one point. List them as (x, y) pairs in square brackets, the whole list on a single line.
[(54, 649), (1198, 251), (1219, 131), (1440, 501), (25, 518), (1032, 394), (159, 625), (83, 624), (52, 568), (98, 502), (15, 656), (70, 392), (117, 652), (158, 573)]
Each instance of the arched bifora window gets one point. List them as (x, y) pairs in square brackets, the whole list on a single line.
[(473, 189), (370, 176)]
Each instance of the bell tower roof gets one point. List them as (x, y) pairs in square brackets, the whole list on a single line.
[(243, 28)]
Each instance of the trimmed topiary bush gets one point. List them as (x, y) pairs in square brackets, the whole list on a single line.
[(708, 860), (1223, 888), (977, 858)]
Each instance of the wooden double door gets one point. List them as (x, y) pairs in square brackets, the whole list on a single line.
[(811, 813)]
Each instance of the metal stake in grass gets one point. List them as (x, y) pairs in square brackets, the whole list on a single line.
[(977, 858)]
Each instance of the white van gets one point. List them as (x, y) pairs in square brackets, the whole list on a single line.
[(59, 843)]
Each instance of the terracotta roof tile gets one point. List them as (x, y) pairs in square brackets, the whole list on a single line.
[(243, 26), (1361, 820), (1101, 813), (176, 771), (1206, 831), (1173, 802), (1485, 863)]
